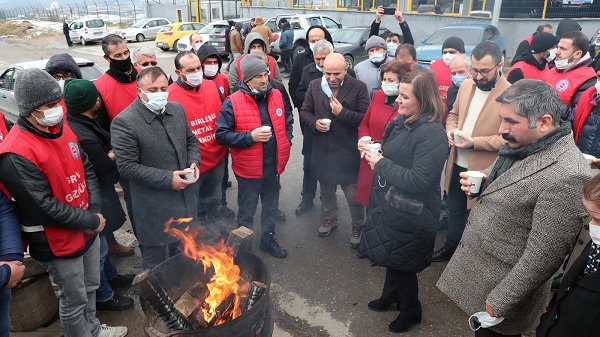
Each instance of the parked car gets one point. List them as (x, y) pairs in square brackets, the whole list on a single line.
[(144, 29), (472, 34), (213, 33), (8, 106), (88, 30), (300, 23), (184, 43), (168, 35), (351, 42)]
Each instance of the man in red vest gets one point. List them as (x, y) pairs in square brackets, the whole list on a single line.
[(571, 75), (5, 126), (202, 101), (525, 45), (257, 127), (211, 67), (58, 199), (534, 63), (451, 47)]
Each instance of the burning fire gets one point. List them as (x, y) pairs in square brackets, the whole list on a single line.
[(226, 286)]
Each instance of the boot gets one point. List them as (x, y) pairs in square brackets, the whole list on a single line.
[(381, 304), (406, 319)]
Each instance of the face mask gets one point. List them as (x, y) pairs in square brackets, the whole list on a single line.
[(121, 65), (198, 45), (552, 55), (563, 64), (390, 89), (194, 79), (597, 85), (62, 85), (311, 46), (448, 58), (458, 79), (596, 43), (211, 70), (325, 87), (318, 68), (156, 100), (484, 319), (391, 48), (377, 57), (595, 233), (51, 116)]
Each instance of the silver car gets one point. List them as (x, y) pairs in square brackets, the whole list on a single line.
[(8, 105), (144, 29), (299, 24)]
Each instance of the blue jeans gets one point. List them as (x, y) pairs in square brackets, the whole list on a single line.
[(4, 316), (77, 280), (107, 272), (249, 190)]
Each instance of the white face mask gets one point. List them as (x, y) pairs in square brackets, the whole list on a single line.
[(318, 68), (391, 48), (194, 79), (448, 58), (51, 116), (156, 100), (596, 43), (390, 89), (62, 85), (211, 70), (197, 46), (311, 46), (564, 64), (484, 319), (595, 233), (552, 55), (325, 87), (597, 85), (377, 57)]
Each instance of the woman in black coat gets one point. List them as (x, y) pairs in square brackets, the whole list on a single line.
[(404, 206)]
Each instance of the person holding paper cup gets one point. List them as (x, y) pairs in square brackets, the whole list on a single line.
[(526, 216)]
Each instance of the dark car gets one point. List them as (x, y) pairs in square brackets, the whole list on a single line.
[(216, 37), (350, 42)]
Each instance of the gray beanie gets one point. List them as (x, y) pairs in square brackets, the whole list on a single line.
[(375, 42), (34, 88), (252, 65)]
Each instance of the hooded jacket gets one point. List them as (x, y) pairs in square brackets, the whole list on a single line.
[(63, 62), (235, 39), (220, 80), (234, 75), (286, 41), (527, 67), (263, 30)]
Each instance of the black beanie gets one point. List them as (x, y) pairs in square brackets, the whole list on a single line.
[(80, 96), (454, 42), (542, 41)]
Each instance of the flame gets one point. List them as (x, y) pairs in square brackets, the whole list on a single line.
[(226, 281)]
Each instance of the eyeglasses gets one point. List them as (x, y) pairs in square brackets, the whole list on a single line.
[(483, 72), (59, 76), (151, 63)]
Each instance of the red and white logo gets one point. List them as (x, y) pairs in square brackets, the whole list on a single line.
[(74, 149), (562, 85)]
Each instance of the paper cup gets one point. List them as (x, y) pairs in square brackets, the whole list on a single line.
[(265, 128), (190, 174), (475, 178), (366, 140), (588, 158), (374, 148), (327, 121), (457, 138)]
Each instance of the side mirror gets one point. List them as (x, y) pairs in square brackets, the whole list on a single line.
[(423, 40), (339, 25)]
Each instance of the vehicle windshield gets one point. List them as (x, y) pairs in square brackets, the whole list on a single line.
[(471, 37), (351, 36), (206, 29), (95, 23), (139, 24)]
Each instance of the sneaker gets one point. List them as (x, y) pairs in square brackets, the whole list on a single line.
[(122, 281), (328, 225), (116, 303), (271, 246), (112, 331), (356, 236)]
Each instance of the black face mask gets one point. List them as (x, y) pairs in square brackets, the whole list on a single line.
[(123, 66), (489, 85)]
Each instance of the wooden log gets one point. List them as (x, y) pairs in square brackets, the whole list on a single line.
[(240, 239)]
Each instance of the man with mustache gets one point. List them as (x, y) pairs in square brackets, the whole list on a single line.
[(475, 118)]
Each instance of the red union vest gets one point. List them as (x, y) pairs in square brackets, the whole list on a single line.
[(583, 111), (530, 71), (3, 128), (248, 162), (443, 78), (116, 96), (59, 160), (202, 112), (223, 84), (567, 83), (272, 64)]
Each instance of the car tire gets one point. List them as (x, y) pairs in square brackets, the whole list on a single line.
[(297, 50), (175, 46), (349, 61), (164, 48), (140, 38), (82, 40)]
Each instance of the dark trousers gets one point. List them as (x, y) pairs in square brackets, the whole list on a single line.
[(457, 210), (309, 183), (152, 256), (249, 190), (286, 59), (4, 312), (210, 195), (402, 288), (225, 181), (489, 333), (69, 42)]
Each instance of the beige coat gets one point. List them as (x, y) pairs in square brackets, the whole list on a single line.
[(235, 43), (266, 34), (487, 140), (517, 236)]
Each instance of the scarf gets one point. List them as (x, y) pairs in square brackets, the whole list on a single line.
[(120, 76), (593, 260), (507, 155)]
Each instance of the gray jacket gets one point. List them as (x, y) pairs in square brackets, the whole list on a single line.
[(234, 73), (148, 148), (367, 72), (517, 236)]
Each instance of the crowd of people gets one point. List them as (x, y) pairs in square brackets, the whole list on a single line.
[(384, 132)]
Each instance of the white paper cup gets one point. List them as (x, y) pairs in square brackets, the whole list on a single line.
[(327, 121), (374, 148), (457, 138), (265, 128), (190, 174), (588, 158), (476, 179), (366, 140)]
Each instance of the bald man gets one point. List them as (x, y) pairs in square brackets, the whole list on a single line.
[(343, 100)]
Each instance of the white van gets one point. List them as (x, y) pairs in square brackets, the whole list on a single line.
[(87, 30)]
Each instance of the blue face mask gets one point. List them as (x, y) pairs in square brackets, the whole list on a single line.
[(457, 80)]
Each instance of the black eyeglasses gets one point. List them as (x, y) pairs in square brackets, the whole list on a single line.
[(483, 72), (59, 76), (151, 63)]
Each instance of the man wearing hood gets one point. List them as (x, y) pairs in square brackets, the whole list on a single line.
[(264, 31), (211, 67), (451, 47), (286, 44), (63, 67), (368, 70), (571, 75), (257, 127), (533, 64), (235, 41), (254, 41)]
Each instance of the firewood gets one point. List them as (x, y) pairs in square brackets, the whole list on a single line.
[(239, 239)]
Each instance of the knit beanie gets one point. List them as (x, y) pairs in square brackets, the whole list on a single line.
[(454, 42), (542, 41), (33, 88), (252, 65), (80, 96), (375, 42)]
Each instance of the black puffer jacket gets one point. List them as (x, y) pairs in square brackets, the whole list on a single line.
[(400, 233), (63, 62)]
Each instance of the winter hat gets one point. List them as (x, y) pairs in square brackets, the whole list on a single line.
[(252, 65), (375, 42), (454, 42), (63, 62), (33, 88), (542, 41), (80, 96)]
